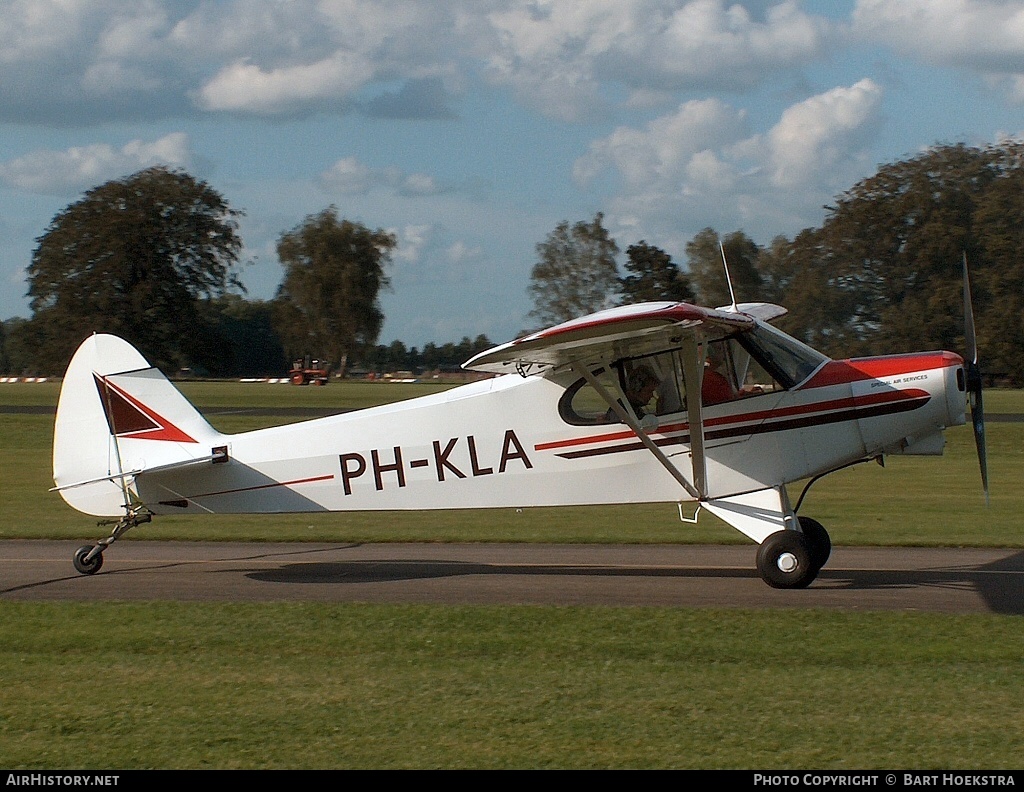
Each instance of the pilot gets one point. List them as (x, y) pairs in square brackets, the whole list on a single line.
[(641, 384)]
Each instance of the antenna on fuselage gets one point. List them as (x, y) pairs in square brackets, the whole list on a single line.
[(728, 277)]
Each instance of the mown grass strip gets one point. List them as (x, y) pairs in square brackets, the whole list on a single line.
[(374, 686)]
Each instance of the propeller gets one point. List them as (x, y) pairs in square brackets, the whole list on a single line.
[(974, 381)]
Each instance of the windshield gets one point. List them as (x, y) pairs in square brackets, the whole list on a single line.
[(788, 361)]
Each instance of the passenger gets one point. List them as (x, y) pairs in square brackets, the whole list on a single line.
[(716, 388)]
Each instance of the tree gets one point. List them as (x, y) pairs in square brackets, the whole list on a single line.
[(577, 272), (5, 358), (997, 268), (707, 272), (884, 270), (327, 304), (653, 276), (791, 276), (133, 257), (249, 345), (896, 241)]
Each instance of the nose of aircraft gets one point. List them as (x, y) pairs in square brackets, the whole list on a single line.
[(955, 387)]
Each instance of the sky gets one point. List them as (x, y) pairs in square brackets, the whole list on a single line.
[(471, 128)]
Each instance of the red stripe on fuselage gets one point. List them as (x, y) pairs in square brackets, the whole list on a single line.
[(854, 410), (753, 418)]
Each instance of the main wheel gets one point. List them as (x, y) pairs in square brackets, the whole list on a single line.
[(90, 567), (819, 540), (785, 560)]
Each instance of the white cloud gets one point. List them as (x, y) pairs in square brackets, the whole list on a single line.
[(85, 59), (248, 87), (986, 36), (296, 57), (158, 57), (418, 184), (265, 57), (701, 165), (39, 29), (81, 167), (818, 134), (459, 252), (349, 176), (658, 154), (412, 241), (556, 55)]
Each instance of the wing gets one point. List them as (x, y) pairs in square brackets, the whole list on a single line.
[(617, 332)]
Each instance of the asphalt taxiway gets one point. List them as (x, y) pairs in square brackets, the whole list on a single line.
[(947, 580)]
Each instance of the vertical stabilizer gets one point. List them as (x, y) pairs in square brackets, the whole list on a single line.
[(116, 417)]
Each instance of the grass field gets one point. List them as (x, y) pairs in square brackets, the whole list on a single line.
[(188, 685), (242, 685)]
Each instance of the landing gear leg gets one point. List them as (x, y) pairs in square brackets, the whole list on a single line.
[(89, 558)]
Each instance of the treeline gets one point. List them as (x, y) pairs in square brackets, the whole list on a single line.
[(154, 258), (244, 343), (446, 357)]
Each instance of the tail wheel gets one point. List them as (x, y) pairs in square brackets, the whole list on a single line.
[(785, 560), (819, 540), (90, 567)]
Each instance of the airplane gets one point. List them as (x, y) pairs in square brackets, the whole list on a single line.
[(713, 409)]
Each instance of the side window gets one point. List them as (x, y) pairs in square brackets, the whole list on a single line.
[(581, 405), (652, 384)]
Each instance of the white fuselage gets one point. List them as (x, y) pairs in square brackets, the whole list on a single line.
[(501, 442)]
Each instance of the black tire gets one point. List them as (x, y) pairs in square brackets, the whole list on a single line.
[(785, 560), (90, 567), (819, 540)]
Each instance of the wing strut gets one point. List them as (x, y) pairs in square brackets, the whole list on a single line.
[(693, 377), (627, 417)]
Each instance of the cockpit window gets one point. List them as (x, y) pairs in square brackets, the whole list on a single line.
[(746, 364), (651, 384)]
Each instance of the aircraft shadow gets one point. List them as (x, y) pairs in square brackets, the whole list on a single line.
[(999, 584), (396, 571)]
